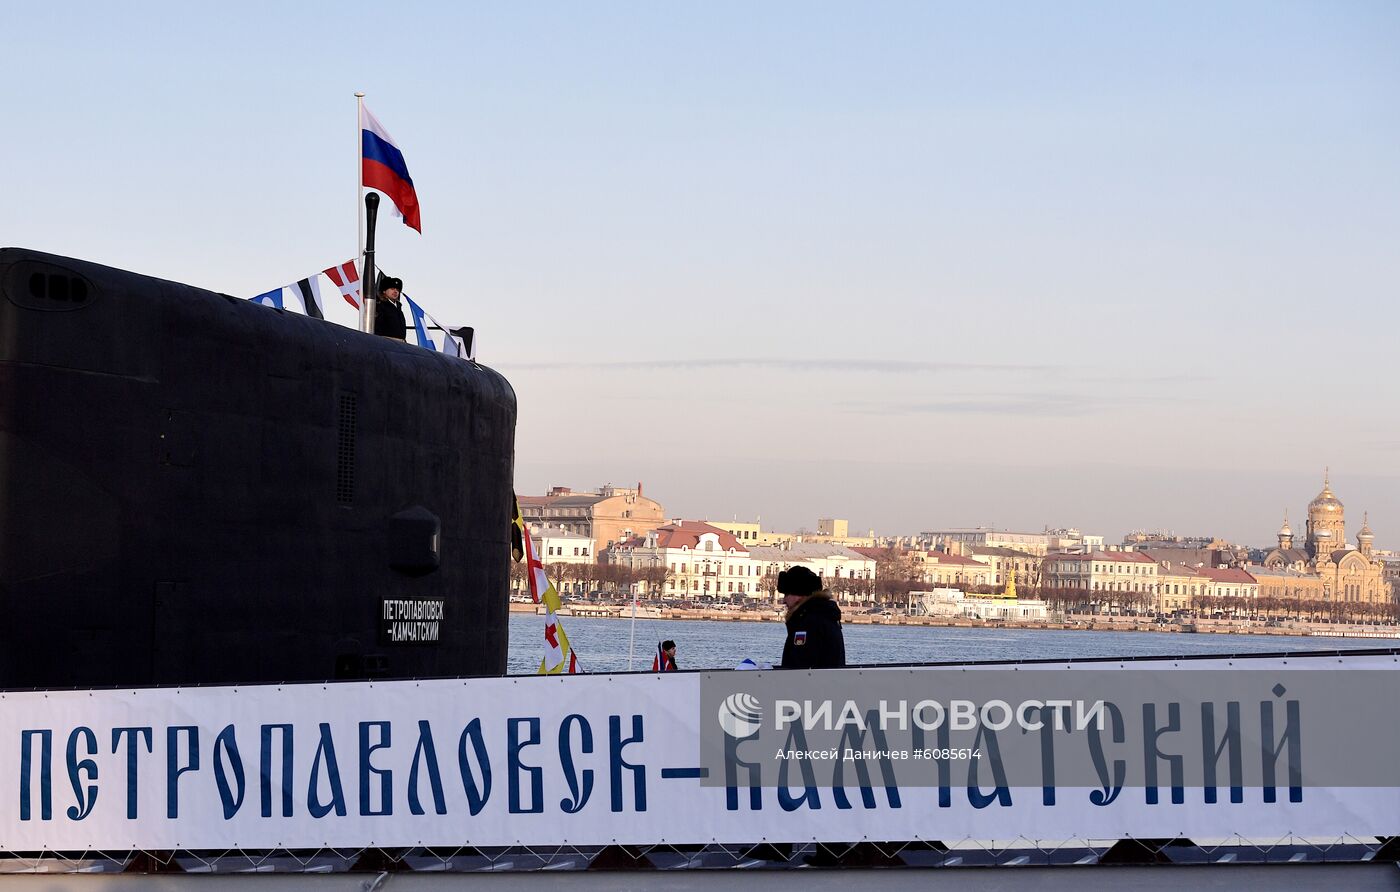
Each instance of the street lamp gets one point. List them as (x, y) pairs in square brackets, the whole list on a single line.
[(714, 568)]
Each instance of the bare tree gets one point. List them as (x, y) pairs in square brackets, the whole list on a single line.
[(896, 575), (561, 574), (769, 583), (654, 578)]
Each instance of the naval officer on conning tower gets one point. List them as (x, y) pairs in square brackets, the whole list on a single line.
[(388, 315)]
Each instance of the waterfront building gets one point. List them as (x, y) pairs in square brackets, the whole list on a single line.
[(1230, 590), (1008, 563), (606, 515), (556, 545), (1286, 585), (699, 561), (1178, 586), (1347, 574), (1229, 582), (945, 569), (842, 569), (1101, 573)]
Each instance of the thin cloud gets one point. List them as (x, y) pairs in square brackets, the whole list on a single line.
[(875, 366), (1182, 378), (1045, 405)]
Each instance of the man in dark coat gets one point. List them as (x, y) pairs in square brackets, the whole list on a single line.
[(665, 659), (388, 314), (814, 638)]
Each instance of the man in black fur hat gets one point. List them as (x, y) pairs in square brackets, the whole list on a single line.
[(388, 315), (814, 639)]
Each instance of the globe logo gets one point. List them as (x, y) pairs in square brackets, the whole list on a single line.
[(740, 714)]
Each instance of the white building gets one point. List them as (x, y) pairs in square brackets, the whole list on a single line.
[(830, 562), (949, 602), (556, 545), (700, 561)]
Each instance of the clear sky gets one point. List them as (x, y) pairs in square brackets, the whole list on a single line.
[(1109, 265)]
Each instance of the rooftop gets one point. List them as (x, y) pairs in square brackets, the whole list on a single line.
[(997, 551), (957, 560), (800, 550), (1226, 574), (687, 534), (548, 532), (1106, 556)]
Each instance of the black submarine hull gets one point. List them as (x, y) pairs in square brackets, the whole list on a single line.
[(196, 489)]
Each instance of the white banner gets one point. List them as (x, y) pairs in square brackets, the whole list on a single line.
[(582, 760)]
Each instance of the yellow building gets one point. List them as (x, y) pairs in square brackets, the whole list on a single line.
[(1006, 563), (748, 534), (1352, 575), (1177, 587), (1286, 585), (939, 568), (771, 539), (1101, 572), (830, 531)]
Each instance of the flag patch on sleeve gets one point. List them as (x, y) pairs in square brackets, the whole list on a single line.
[(799, 638)]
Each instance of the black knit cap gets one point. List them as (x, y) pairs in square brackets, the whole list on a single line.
[(799, 581)]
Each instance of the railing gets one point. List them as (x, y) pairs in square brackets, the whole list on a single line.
[(966, 853)]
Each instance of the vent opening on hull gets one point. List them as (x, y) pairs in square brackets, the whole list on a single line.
[(345, 451)]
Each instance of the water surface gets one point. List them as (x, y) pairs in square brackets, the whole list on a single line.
[(706, 644)]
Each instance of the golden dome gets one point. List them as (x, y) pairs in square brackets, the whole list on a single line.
[(1326, 502)]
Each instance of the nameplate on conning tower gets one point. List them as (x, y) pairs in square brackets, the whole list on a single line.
[(411, 621)]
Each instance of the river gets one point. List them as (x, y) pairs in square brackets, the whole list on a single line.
[(706, 644)]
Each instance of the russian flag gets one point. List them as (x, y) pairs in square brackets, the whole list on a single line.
[(382, 168), (662, 662)]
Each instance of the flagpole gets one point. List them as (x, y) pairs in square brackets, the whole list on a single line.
[(632, 637), (360, 200)]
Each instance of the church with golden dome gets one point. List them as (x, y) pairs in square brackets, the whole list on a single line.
[(1345, 573)]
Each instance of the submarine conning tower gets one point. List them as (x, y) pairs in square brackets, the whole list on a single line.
[(195, 489)]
